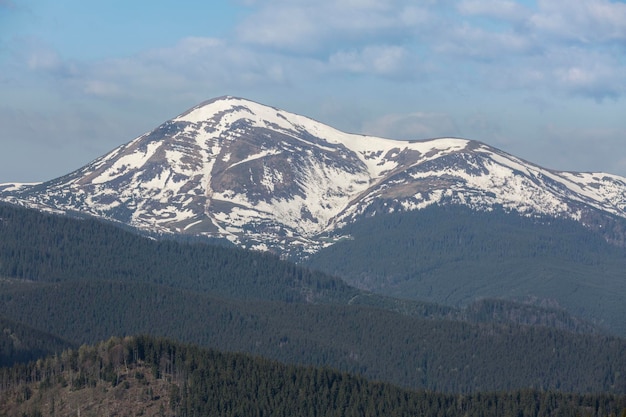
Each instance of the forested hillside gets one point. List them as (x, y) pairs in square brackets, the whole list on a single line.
[(453, 255), (435, 354), (49, 248), (41, 247), (88, 281), (21, 343), (147, 376)]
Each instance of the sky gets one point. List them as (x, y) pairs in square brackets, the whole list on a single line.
[(544, 80)]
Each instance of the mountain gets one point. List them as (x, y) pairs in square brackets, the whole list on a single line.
[(267, 179), (385, 215)]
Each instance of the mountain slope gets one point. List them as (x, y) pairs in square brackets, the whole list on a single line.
[(264, 178), (38, 248), (454, 256), (47, 248)]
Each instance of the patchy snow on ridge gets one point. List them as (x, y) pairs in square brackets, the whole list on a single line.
[(268, 179)]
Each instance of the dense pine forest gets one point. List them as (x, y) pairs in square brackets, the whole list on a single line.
[(21, 344), (453, 255), (81, 281), (148, 376), (46, 248), (443, 355), (54, 248)]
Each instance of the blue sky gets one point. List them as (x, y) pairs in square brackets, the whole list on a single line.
[(544, 80)]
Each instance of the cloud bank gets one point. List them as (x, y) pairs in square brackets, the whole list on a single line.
[(434, 63), (575, 48)]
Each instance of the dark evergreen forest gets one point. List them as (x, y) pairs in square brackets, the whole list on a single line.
[(454, 255), (435, 354), (21, 344), (211, 383), (84, 281), (49, 248)]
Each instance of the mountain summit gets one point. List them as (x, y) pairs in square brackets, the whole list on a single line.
[(267, 179)]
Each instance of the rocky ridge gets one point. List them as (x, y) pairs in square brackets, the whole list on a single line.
[(267, 179)]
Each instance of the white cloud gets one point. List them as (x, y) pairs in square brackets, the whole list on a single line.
[(587, 72), (475, 42), (559, 71), (192, 65), (289, 27), (306, 27), (573, 48), (294, 42), (595, 81), (498, 9), (288, 42), (585, 21), (102, 88), (299, 43), (382, 60)]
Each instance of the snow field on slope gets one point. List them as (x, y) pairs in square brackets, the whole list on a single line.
[(127, 162), (234, 109), (327, 191)]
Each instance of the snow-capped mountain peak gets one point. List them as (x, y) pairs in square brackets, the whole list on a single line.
[(265, 178)]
